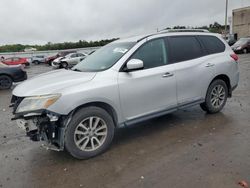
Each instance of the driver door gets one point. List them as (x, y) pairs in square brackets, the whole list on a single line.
[(152, 90)]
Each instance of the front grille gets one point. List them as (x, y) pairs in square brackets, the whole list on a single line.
[(15, 101)]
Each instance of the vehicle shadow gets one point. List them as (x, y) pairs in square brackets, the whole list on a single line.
[(193, 124), (135, 145)]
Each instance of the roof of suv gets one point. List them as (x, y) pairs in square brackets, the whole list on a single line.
[(159, 34)]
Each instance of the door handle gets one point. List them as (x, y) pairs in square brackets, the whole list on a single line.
[(209, 65), (167, 74)]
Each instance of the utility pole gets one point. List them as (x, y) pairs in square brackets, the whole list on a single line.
[(226, 17)]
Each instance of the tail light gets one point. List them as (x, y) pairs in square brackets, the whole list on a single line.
[(235, 57)]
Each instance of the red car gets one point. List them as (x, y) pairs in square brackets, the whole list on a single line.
[(16, 61), (49, 59)]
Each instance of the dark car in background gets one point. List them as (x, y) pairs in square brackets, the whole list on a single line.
[(10, 74), (242, 45), (49, 59)]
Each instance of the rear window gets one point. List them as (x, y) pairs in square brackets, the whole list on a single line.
[(212, 44), (184, 48)]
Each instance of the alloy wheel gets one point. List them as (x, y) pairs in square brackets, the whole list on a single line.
[(90, 134), (5, 82), (218, 96)]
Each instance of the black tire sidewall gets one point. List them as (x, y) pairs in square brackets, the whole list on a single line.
[(64, 64), (203, 107), (11, 82), (76, 119), (209, 106), (36, 62)]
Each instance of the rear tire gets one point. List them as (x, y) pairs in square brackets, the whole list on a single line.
[(203, 107), (5, 82), (89, 133), (216, 97)]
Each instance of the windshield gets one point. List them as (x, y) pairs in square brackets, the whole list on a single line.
[(242, 41), (104, 57)]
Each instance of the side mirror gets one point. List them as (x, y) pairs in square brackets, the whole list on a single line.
[(134, 64)]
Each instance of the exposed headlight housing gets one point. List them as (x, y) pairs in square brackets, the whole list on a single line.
[(238, 48), (37, 102)]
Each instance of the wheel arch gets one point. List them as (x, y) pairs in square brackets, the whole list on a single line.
[(110, 109), (6, 74), (226, 79)]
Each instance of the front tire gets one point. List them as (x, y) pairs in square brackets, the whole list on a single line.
[(245, 51), (64, 65), (5, 82), (50, 62), (36, 62), (216, 97), (89, 133)]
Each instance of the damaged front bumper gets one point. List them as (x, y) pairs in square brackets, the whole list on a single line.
[(42, 125)]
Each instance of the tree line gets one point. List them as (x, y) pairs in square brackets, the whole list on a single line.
[(215, 28), (55, 46)]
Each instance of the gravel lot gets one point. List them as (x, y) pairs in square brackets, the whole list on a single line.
[(186, 149)]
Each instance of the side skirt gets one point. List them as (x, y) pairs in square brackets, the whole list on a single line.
[(161, 113)]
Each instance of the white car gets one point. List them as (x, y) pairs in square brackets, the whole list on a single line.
[(69, 60), (56, 62), (38, 59)]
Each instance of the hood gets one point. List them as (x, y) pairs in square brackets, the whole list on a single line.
[(52, 82), (58, 59), (235, 46)]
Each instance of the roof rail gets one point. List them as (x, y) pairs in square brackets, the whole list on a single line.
[(173, 30), (183, 30)]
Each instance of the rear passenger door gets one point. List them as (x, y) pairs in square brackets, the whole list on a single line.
[(193, 72)]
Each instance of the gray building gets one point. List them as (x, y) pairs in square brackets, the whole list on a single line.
[(241, 22)]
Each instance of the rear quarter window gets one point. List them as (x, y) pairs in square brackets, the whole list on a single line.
[(212, 44), (183, 48)]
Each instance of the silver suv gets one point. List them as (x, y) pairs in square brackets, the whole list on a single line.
[(123, 83)]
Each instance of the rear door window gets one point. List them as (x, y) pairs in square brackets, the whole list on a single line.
[(183, 48), (212, 44)]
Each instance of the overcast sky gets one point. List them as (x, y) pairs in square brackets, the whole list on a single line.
[(41, 21)]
